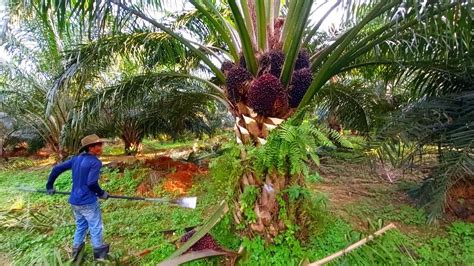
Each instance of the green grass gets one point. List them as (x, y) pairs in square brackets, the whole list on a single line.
[(454, 248), (113, 150), (404, 213), (395, 248), (46, 227), (130, 226), (150, 145)]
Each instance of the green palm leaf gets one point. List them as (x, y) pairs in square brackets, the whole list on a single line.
[(444, 121), (244, 33)]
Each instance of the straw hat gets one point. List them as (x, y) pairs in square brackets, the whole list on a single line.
[(89, 140)]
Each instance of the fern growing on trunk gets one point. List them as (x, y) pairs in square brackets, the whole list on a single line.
[(273, 187)]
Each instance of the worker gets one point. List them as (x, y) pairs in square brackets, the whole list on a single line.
[(85, 191)]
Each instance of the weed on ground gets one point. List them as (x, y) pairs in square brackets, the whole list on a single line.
[(38, 229)]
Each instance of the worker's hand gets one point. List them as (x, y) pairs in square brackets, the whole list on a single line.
[(104, 196), (51, 191)]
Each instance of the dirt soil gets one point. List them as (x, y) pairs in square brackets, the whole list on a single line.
[(350, 184), (461, 201), (179, 174), (4, 261)]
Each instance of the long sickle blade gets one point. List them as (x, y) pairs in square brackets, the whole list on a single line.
[(189, 202), (186, 202)]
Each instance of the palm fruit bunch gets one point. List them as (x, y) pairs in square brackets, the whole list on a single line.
[(303, 60), (300, 82), (264, 93), (237, 80), (206, 242), (272, 62)]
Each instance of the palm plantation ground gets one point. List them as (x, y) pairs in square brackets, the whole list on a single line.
[(298, 137), (352, 200)]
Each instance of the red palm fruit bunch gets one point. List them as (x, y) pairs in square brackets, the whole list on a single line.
[(237, 80), (206, 242), (271, 62), (264, 93), (300, 82)]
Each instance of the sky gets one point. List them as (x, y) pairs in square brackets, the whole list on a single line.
[(333, 20)]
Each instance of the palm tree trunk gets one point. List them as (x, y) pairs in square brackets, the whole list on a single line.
[(132, 146), (2, 150), (60, 152), (253, 130), (132, 136), (132, 141), (334, 123)]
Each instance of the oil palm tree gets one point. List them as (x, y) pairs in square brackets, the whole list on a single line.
[(436, 111), (449, 118), (34, 56), (268, 62), (27, 105), (442, 117), (7, 128), (142, 106)]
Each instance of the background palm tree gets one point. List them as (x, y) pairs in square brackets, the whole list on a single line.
[(435, 108), (28, 107), (35, 50), (38, 50), (274, 63), (439, 115), (143, 106), (7, 128)]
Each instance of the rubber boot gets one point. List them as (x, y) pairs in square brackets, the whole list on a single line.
[(101, 253), (77, 251)]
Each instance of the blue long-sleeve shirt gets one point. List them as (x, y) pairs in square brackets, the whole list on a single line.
[(85, 176)]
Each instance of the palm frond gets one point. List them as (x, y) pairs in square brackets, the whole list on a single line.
[(436, 119), (152, 103), (435, 55), (245, 33), (389, 22), (349, 102), (28, 109), (189, 44), (87, 60), (314, 28), (211, 25), (446, 122), (297, 20), (333, 54), (433, 193)]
